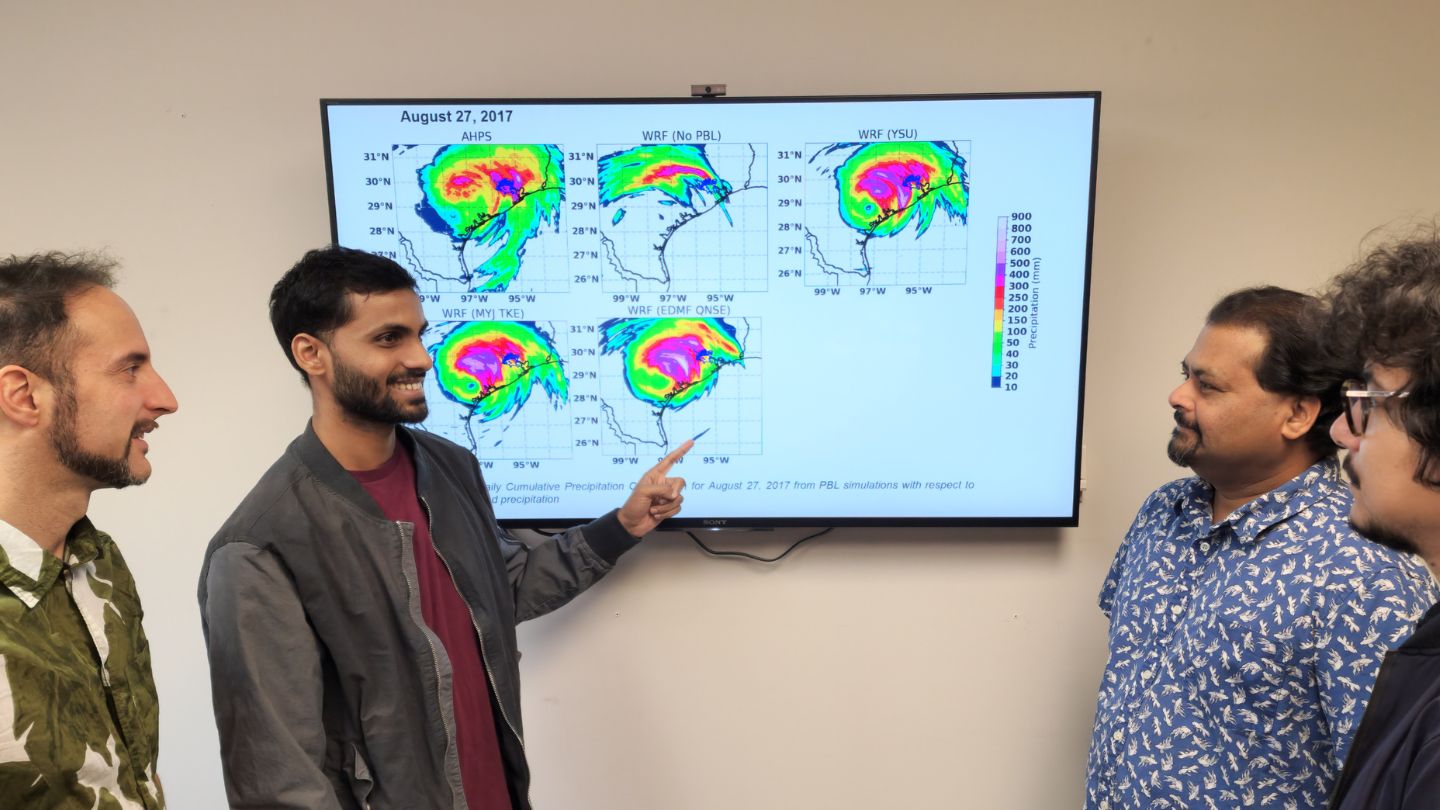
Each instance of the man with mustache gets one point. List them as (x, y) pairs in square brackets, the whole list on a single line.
[(360, 605), (79, 718), (1247, 619), (1386, 317)]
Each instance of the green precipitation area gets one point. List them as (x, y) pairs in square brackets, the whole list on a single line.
[(886, 189), (495, 198), (679, 180)]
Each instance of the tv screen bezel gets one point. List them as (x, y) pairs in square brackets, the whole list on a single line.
[(681, 522)]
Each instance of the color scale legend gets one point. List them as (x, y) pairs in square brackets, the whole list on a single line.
[(1001, 250)]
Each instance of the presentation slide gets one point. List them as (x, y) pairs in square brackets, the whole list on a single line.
[(864, 311)]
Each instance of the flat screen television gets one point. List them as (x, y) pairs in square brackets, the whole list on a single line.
[(865, 310)]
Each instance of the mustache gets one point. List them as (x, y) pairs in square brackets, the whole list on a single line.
[(144, 426), (1180, 420)]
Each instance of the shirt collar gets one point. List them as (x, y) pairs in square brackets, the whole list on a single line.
[(27, 569), (1251, 520), (84, 543)]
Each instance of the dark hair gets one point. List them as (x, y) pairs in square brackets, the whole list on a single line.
[(313, 296), (33, 321), (1386, 309), (1295, 361)]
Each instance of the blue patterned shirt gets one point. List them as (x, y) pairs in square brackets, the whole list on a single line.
[(1242, 653)]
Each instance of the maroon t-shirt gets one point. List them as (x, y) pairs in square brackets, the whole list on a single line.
[(392, 486)]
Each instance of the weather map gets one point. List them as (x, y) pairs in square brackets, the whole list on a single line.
[(803, 285), (887, 213), (484, 217), (501, 384), (683, 217), (677, 378)]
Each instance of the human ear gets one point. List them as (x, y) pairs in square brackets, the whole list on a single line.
[(1301, 418), (311, 354), (20, 401)]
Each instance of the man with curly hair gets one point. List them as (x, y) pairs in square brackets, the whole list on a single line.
[(1386, 320)]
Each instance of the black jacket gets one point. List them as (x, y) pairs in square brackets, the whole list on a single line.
[(329, 690), (1394, 761)]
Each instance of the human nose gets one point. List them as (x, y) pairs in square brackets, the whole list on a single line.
[(160, 398), (1180, 397), (1340, 433), (418, 357)]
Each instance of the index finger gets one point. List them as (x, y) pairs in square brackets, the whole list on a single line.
[(675, 455)]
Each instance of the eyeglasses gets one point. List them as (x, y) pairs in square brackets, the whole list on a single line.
[(1359, 398)]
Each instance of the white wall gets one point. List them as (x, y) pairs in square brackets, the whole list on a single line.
[(1240, 142)]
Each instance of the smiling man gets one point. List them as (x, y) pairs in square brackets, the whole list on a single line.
[(1247, 620), (1386, 313), (360, 605), (79, 722)]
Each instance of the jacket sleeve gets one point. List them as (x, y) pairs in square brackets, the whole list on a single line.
[(547, 573), (266, 680), (1422, 781)]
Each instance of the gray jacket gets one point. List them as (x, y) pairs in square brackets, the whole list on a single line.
[(330, 691)]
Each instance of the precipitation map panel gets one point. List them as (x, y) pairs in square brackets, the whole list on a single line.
[(683, 217), (886, 213)]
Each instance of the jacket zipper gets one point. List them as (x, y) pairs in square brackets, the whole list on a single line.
[(479, 636), (414, 590)]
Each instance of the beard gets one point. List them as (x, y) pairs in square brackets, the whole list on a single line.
[(108, 471), (1376, 532), (1372, 529), (1182, 447), (364, 398)]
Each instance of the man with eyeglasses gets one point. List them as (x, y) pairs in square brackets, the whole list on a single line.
[(1247, 620), (1387, 310)]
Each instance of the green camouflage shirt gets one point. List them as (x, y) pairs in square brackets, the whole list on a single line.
[(79, 718)]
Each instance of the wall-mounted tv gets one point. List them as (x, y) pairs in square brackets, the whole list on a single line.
[(865, 310)]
